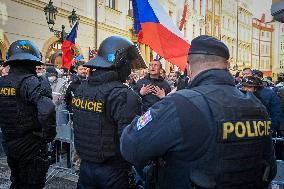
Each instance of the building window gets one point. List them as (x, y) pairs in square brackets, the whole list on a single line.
[(262, 49), (262, 34), (200, 31), (171, 13), (130, 8), (110, 4), (268, 35), (229, 24), (193, 31), (193, 5), (210, 7), (200, 7), (185, 29)]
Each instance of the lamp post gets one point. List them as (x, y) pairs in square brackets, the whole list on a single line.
[(50, 13)]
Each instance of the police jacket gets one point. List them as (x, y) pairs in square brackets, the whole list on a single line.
[(150, 99), (102, 107), (26, 109), (76, 81), (211, 136)]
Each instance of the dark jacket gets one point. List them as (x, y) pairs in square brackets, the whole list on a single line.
[(75, 82), (150, 99), (194, 135), (102, 107), (272, 104), (32, 109)]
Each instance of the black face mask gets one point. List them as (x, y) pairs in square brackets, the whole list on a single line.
[(123, 71)]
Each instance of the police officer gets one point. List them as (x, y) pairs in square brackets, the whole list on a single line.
[(27, 117), (102, 107), (210, 135)]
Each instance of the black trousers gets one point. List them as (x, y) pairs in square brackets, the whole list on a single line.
[(28, 163), (101, 176)]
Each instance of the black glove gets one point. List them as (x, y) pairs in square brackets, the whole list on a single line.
[(47, 135)]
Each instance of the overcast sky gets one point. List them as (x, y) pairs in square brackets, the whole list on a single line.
[(261, 6)]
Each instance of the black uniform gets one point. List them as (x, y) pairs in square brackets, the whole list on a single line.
[(102, 107), (27, 119), (210, 135), (75, 82), (223, 142)]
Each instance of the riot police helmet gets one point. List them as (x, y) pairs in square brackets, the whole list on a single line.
[(115, 52), (23, 51)]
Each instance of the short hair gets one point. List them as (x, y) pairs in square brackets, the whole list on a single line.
[(194, 59), (157, 60), (79, 63), (246, 69)]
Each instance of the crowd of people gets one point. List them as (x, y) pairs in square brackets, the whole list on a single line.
[(200, 129)]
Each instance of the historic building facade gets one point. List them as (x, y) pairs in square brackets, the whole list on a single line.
[(262, 48), (278, 48), (229, 19), (244, 34), (25, 19), (213, 18)]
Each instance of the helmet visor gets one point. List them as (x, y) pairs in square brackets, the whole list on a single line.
[(135, 57)]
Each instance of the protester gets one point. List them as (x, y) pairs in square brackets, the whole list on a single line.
[(163, 73), (247, 72), (58, 85), (152, 88), (76, 80), (172, 80), (204, 136), (270, 101)]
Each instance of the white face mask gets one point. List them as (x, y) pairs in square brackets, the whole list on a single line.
[(51, 79)]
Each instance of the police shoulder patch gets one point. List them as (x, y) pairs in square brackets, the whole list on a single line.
[(144, 120)]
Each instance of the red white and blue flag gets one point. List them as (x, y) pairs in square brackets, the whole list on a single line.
[(68, 43), (155, 28)]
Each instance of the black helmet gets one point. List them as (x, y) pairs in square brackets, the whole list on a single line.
[(251, 81), (116, 51), (23, 50)]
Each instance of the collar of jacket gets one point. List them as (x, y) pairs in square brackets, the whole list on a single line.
[(100, 76), (154, 79), (213, 76)]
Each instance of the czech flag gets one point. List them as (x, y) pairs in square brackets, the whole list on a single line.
[(66, 47), (155, 28)]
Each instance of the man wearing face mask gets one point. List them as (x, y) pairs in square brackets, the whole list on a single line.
[(58, 85)]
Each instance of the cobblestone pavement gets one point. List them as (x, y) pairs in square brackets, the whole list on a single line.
[(62, 180)]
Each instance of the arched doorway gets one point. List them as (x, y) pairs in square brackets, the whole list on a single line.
[(4, 45), (52, 53)]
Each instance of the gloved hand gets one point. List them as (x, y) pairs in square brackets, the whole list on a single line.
[(47, 135)]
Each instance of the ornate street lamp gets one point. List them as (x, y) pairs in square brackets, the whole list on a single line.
[(50, 13), (73, 18)]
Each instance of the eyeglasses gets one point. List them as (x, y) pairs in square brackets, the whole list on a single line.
[(40, 68)]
